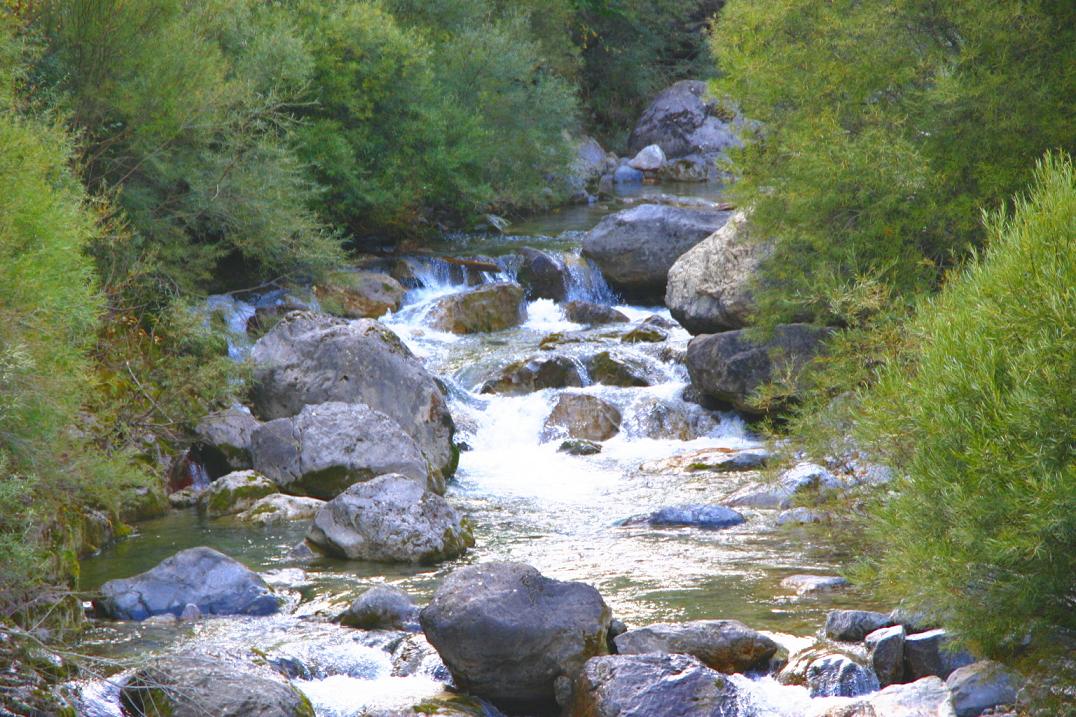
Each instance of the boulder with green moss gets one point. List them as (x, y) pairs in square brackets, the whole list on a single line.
[(359, 294), (235, 493)]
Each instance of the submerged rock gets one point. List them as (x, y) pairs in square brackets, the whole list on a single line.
[(279, 508), (635, 248), (651, 685), (328, 447), (382, 607), (236, 492), (717, 460), (579, 415), (213, 582), (535, 374), (507, 633), (579, 447), (199, 686), (391, 518), (730, 367), (586, 312), (656, 418), (710, 285), (723, 645), (491, 307), (308, 360), (813, 584), (695, 516)]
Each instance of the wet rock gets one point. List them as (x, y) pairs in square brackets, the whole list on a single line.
[(710, 285), (813, 584), (224, 441), (854, 625), (800, 516), (611, 370), (279, 508), (382, 607), (695, 516), (684, 119), (199, 686), (215, 583), (328, 447), (535, 374), (655, 418), (885, 648), (491, 307), (587, 312), (839, 676), (928, 697), (542, 275), (360, 294), (651, 685), (507, 633), (414, 655), (723, 645), (929, 653), (235, 493), (627, 175), (980, 686), (94, 531), (635, 248), (645, 334), (580, 415), (760, 495), (716, 460), (648, 159), (309, 359), (449, 705), (188, 497), (729, 367), (391, 518), (579, 447)]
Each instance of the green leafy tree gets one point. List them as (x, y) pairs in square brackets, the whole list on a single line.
[(886, 125), (980, 416)]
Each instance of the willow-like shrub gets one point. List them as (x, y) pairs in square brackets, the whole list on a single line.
[(979, 415)]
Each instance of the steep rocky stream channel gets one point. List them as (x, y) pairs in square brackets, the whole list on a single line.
[(573, 517)]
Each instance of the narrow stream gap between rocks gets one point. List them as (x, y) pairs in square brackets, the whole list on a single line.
[(573, 517)]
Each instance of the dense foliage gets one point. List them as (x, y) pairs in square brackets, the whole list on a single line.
[(980, 414), (887, 126)]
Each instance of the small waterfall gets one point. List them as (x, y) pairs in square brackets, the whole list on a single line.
[(586, 282)]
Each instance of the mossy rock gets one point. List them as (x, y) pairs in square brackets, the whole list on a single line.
[(236, 492)]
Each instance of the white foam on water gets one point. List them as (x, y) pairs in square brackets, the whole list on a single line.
[(344, 696), (547, 316)]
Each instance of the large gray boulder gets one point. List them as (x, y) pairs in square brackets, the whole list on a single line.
[(730, 366), (507, 633), (330, 446), (723, 645), (980, 686), (223, 441), (636, 247), (651, 685), (391, 518), (491, 307), (203, 577), (928, 697), (885, 648), (930, 653), (309, 359), (360, 294), (684, 120), (187, 686), (710, 285)]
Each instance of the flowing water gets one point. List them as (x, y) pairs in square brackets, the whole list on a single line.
[(563, 514)]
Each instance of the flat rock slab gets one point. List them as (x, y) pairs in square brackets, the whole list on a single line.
[(723, 645)]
